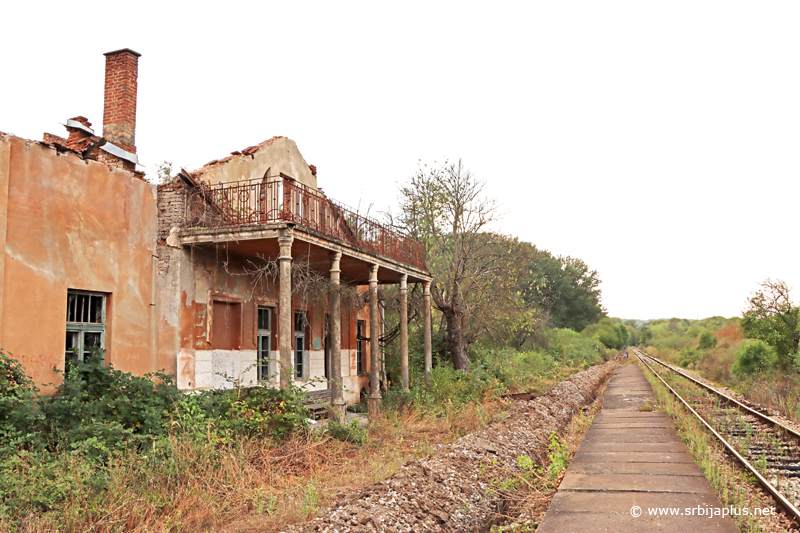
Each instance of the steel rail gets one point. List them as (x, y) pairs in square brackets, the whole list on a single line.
[(786, 504), (728, 398)]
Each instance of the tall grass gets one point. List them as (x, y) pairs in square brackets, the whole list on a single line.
[(218, 464)]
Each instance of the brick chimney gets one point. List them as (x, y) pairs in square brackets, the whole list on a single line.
[(119, 110)]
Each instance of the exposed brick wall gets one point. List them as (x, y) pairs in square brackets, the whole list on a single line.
[(119, 110), (171, 208), (112, 160)]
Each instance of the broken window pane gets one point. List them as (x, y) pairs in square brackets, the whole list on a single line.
[(96, 311), (299, 321), (72, 346), (71, 303), (85, 325), (263, 318), (92, 342)]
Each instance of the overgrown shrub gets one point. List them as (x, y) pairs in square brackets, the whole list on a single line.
[(262, 411), (753, 356), (99, 409), (707, 340), (352, 432), (576, 348), (19, 415)]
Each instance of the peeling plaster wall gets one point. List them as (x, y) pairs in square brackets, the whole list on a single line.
[(278, 155), (73, 224), (207, 275), (225, 369)]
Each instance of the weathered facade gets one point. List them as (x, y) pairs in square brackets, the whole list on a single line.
[(232, 236), (242, 272), (77, 252)]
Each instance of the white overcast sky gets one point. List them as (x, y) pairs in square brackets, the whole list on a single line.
[(657, 141)]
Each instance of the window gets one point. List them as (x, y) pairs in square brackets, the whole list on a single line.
[(86, 325), (263, 346), (327, 353), (360, 347), (299, 342)]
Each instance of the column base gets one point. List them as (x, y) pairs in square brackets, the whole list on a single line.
[(374, 406), (338, 411)]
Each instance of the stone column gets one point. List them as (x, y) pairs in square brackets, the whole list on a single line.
[(337, 398), (285, 240), (426, 320), (404, 330), (374, 402)]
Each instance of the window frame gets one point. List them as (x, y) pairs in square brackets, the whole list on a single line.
[(263, 357), (360, 346), (299, 342), (80, 329)]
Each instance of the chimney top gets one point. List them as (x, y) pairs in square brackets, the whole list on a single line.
[(119, 110), (137, 54)]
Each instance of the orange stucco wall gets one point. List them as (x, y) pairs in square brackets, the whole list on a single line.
[(66, 223)]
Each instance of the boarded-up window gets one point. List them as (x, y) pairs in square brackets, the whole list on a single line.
[(226, 319)]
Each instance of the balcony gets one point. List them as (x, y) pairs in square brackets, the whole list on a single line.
[(282, 199)]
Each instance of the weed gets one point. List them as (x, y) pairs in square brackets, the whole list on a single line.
[(559, 456), (353, 432)]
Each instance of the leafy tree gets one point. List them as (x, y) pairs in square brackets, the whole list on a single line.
[(771, 317), (633, 335), (645, 335), (445, 208), (612, 335), (562, 286), (707, 341)]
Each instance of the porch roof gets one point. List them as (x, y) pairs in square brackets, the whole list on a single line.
[(315, 247)]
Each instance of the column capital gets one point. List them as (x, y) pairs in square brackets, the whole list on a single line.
[(285, 235), (404, 282), (285, 240), (426, 287), (373, 274), (336, 257)]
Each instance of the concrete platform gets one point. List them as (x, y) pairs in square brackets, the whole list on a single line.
[(629, 460)]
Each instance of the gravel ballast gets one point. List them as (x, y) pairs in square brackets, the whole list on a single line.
[(454, 489)]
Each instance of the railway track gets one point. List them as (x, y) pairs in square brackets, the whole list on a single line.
[(769, 450)]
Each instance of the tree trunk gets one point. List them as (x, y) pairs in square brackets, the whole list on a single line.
[(456, 340)]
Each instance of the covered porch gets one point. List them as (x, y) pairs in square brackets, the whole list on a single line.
[(277, 221)]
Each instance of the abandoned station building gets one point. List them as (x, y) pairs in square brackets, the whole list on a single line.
[(242, 272)]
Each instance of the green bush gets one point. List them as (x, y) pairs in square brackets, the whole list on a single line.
[(707, 341), (352, 432), (19, 415), (449, 389), (576, 348), (753, 356), (262, 411), (99, 409)]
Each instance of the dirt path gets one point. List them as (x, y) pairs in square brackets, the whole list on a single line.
[(454, 488)]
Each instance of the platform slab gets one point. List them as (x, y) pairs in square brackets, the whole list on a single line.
[(633, 458)]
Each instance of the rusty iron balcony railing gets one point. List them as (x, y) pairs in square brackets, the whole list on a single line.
[(283, 199)]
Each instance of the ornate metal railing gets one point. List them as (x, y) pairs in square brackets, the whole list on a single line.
[(283, 199)]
